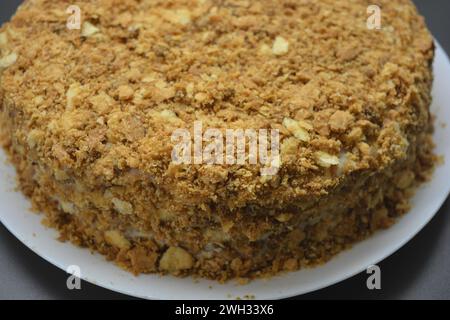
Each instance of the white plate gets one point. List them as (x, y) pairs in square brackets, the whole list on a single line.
[(26, 226)]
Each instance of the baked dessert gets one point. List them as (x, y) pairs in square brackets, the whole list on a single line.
[(88, 117)]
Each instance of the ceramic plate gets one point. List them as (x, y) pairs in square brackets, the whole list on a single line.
[(26, 226)]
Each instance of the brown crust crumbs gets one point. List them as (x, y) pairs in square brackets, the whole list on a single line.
[(87, 117)]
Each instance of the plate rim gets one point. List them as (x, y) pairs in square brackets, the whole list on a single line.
[(382, 255)]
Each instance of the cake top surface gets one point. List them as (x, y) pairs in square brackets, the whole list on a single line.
[(103, 102)]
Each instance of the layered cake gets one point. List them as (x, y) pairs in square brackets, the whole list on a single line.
[(88, 116)]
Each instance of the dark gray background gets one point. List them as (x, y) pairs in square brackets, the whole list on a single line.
[(420, 270)]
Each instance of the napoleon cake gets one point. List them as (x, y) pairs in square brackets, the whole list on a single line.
[(88, 117)]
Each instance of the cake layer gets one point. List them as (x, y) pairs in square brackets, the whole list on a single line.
[(218, 243)]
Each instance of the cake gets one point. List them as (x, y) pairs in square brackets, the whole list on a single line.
[(88, 116)]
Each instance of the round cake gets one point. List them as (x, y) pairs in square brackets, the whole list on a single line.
[(92, 95)]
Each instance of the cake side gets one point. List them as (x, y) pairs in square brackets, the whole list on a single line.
[(243, 246)]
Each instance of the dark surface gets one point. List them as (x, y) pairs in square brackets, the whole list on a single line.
[(420, 270)]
